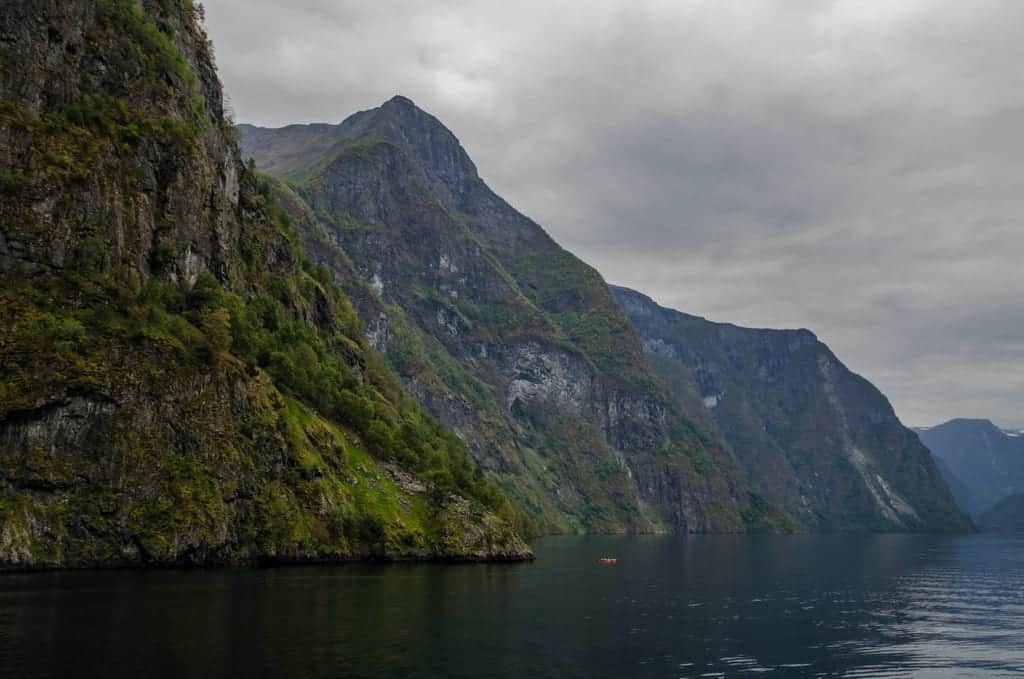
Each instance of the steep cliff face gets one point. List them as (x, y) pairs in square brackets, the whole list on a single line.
[(982, 462), (176, 386), (499, 332), (115, 149), (814, 438)]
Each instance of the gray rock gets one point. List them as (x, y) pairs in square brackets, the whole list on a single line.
[(813, 437)]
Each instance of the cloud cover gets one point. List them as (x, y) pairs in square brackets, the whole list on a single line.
[(854, 167)]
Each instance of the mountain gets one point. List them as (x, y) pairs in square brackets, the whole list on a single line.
[(961, 493), (985, 461), (814, 438), (1006, 516), (178, 385), (503, 335)]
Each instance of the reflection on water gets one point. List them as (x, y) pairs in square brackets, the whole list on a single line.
[(844, 606)]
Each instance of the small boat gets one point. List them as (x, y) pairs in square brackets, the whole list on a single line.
[(607, 559)]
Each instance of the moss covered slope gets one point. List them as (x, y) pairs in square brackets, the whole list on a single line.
[(176, 385)]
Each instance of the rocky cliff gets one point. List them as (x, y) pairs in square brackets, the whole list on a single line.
[(177, 384), (814, 438), (982, 463), (499, 332)]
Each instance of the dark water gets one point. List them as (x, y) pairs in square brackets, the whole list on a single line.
[(673, 607)]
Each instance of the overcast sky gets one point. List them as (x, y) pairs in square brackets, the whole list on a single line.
[(856, 168)]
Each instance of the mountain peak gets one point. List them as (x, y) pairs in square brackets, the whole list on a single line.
[(976, 423), (403, 113), (399, 101), (398, 121), (424, 137), (986, 461)]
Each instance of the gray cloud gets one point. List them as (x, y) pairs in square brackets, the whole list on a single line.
[(852, 167)]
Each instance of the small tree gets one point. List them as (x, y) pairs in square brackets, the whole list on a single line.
[(206, 292), (216, 325), (379, 437)]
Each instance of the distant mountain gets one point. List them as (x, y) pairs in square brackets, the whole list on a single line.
[(814, 438), (976, 455), (1006, 516), (506, 337)]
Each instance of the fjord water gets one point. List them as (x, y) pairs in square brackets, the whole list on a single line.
[(881, 605)]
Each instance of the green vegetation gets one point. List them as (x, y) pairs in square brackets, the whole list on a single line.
[(85, 137), (315, 369), (83, 333), (577, 456), (150, 414), (414, 353), (143, 42), (761, 516), (368, 148), (331, 373), (575, 300), (564, 473)]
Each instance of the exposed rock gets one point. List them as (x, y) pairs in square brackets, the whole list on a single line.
[(814, 438), (503, 335), (151, 410)]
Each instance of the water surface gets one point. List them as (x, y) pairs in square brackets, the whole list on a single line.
[(801, 606)]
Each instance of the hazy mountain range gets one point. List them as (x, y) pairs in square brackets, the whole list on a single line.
[(981, 462)]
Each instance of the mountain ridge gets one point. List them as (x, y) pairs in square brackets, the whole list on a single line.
[(982, 459), (814, 438), (516, 320)]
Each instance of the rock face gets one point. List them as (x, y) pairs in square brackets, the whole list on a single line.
[(982, 462), (503, 335), (175, 386), (814, 438), (114, 146)]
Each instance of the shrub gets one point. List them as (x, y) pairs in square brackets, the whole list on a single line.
[(216, 325), (153, 47), (368, 528), (205, 292)]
